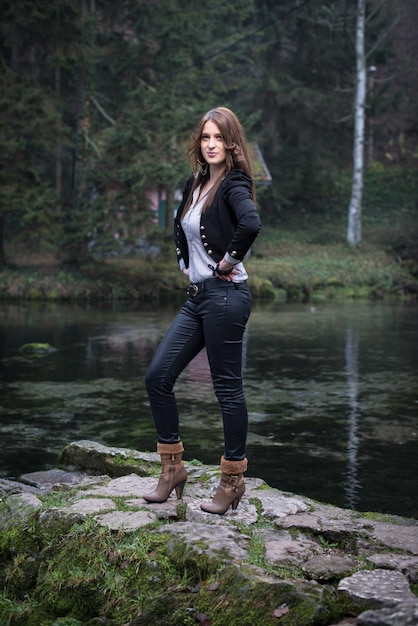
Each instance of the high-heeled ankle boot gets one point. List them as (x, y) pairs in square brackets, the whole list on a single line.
[(173, 473), (231, 487)]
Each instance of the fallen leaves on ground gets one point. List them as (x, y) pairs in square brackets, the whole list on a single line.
[(203, 619), (281, 610)]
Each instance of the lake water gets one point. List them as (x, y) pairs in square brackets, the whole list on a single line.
[(332, 392)]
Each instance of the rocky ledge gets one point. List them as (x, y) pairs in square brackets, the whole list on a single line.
[(80, 546)]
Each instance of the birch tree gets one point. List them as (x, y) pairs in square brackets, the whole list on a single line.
[(354, 211)]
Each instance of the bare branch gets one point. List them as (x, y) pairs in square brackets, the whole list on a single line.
[(102, 111)]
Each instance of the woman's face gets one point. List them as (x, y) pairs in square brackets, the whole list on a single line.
[(212, 146)]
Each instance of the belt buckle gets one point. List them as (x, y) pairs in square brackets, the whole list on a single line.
[(192, 290)]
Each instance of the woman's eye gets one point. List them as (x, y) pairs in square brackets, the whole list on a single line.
[(207, 138)]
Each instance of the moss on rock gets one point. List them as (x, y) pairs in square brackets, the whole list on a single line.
[(94, 457), (60, 567)]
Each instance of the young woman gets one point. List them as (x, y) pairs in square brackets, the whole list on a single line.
[(214, 228)]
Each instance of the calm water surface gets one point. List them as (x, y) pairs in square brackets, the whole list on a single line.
[(332, 392)]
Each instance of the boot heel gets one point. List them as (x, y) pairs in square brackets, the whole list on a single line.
[(179, 489), (231, 487), (173, 473), (235, 504)]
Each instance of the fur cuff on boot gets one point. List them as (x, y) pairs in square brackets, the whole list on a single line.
[(170, 448), (232, 468)]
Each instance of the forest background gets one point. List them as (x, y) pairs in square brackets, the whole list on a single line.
[(99, 98)]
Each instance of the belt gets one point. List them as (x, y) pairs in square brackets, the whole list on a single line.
[(194, 289)]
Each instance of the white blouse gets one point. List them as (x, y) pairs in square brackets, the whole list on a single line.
[(199, 260)]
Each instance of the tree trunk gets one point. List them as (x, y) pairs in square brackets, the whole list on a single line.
[(169, 207), (58, 147), (354, 211), (2, 254)]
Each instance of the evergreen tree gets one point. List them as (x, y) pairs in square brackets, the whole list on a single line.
[(99, 98), (165, 78), (39, 53), (305, 86)]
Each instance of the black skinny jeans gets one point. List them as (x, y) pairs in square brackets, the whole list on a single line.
[(215, 318)]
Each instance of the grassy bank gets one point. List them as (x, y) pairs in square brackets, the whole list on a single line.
[(302, 255), (308, 260)]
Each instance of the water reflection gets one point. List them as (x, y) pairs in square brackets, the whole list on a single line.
[(332, 394), (351, 358)]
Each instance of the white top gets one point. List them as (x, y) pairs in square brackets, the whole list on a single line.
[(199, 260)]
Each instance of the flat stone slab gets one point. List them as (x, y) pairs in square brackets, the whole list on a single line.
[(282, 549), (18, 508), (61, 518), (326, 567), (48, 479), (13, 486), (339, 524), (403, 614), (92, 506), (227, 543), (275, 505), (397, 536), (408, 565), (245, 514), (377, 587), (126, 521), (130, 485)]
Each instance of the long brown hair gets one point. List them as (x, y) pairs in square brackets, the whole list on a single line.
[(235, 144)]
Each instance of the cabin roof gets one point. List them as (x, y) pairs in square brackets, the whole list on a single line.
[(261, 172)]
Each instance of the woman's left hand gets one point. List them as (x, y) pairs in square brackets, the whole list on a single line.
[(225, 273), (230, 272), (229, 278)]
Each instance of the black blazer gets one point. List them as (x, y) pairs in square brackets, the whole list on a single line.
[(230, 224)]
